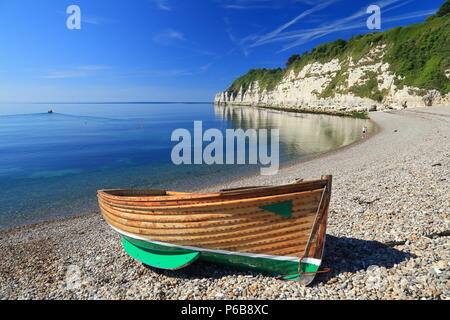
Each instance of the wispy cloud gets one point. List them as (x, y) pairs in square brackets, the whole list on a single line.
[(159, 73), (310, 2), (177, 39), (64, 74), (254, 40), (353, 22), (278, 30), (236, 6), (94, 67), (93, 20), (263, 4), (246, 4), (228, 30), (163, 5), (304, 36), (206, 67), (76, 72), (168, 36), (294, 38)]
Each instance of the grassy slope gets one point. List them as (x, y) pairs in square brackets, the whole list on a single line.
[(419, 53)]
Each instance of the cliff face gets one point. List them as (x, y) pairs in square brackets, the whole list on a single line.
[(340, 80), (306, 88)]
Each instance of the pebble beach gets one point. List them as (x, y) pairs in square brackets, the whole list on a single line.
[(388, 233)]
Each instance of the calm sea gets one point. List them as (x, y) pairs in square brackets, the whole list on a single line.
[(52, 164)]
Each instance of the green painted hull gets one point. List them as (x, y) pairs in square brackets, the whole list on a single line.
[(174, 258)]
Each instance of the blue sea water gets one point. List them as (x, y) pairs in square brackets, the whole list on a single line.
[(52, 164)]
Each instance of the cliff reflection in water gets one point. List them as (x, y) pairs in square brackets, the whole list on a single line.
[(301, 134)]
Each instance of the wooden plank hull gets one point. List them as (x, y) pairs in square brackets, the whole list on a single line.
[(280, 230)]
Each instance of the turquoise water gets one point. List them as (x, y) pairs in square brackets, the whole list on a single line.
[(52, 164)]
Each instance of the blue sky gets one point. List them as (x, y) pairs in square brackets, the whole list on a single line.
[(167, 50)]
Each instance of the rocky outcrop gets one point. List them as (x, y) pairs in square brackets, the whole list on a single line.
[(338, 86)]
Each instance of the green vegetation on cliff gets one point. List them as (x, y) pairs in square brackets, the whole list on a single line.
[(444, 9), (419, 54), (268, 79)]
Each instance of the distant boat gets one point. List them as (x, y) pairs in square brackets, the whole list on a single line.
[(278, 229), (50, 111)]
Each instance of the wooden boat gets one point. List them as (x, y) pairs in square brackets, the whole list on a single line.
[(276, 229)]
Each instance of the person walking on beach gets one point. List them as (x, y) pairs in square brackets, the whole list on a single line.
[(364, 131)]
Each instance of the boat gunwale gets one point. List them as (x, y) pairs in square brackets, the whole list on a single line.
[(265, 200), (183, 196)]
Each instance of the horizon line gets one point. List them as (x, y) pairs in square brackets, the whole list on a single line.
[(108, 102)]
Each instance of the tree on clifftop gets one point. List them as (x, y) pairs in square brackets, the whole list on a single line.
[(444, 9)]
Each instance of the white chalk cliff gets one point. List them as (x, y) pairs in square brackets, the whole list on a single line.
[(304, 89)]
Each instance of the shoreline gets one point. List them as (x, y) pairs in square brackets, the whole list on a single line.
[(297, 109), (387, 234)]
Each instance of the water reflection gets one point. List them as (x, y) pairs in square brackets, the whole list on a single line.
[(300, 133)]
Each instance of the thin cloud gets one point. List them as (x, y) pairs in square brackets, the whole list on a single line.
[(65, 74), (241, 7), (158, 73), (310, 2), (89, 19), (206, 67), (94, 67), (92, 20), (275, 32), (163, 5), (299, 37), (229, 31), (177, 39), (348, 23), (262, 4), (77, 72), (168, 36)]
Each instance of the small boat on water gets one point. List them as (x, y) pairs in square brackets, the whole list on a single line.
[(275, 229)]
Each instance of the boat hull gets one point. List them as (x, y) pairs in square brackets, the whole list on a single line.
[(277, 230), (168, 257)]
